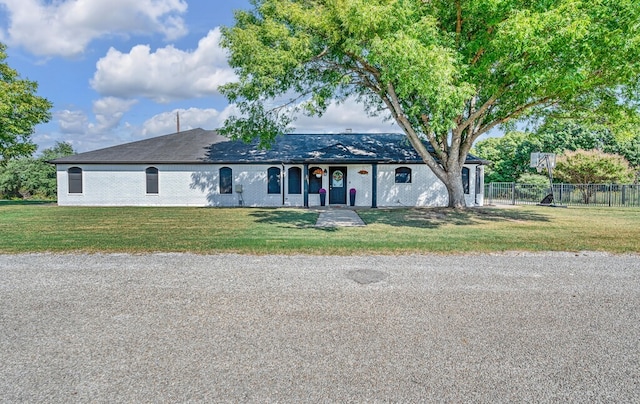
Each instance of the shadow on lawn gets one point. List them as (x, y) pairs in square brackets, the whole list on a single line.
[(436, 217), (296, 218), (23, 202)]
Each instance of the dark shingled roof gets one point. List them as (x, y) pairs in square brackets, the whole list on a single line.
[(200, 146)]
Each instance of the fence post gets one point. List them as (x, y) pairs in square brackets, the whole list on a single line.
[(610, 189), (513, 193), (491, 193), (624, 195)]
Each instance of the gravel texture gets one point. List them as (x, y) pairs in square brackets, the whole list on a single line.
[(228, 328)]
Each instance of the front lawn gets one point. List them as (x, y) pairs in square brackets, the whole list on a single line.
[(49, 228)]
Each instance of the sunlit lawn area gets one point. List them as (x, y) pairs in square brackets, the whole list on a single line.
[(49, 228)]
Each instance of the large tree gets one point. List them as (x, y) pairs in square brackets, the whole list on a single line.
[(20, 111), (446, 71)]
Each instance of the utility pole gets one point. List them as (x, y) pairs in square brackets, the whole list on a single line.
[(178, 121)]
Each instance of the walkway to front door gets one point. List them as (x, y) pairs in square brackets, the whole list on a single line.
[(336, 217)]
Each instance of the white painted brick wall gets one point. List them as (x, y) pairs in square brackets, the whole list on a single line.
[(198, 185)]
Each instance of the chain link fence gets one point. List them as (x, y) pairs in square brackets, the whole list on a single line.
[(614, 195)]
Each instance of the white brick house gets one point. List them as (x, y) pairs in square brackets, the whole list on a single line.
[(202, 168)]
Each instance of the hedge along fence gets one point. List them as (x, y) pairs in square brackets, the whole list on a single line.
[(616, 195)]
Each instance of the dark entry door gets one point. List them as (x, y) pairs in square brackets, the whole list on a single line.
[(338, 185)]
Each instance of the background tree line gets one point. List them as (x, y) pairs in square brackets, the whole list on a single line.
[(32, 177), (585, 154)]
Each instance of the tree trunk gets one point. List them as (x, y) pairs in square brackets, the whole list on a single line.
[(453, 182)]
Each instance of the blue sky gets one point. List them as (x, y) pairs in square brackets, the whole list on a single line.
[(119, 70)]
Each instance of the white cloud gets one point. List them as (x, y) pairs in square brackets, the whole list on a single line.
[(66, 27), (108, 115), (109, 112), (340, 117), (191, 118), (72, 122), (165, 75)]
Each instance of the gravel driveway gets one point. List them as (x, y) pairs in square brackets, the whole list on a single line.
[(230, 328)]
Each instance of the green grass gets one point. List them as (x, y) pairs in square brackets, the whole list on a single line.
[(49, 228)]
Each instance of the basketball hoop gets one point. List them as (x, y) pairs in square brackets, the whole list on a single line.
[(540, 161)]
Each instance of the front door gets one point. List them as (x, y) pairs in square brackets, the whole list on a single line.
[(337, 185)]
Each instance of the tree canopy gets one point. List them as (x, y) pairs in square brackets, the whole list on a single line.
[(20, 111), (30, 177), (445, 71), (592, 167)]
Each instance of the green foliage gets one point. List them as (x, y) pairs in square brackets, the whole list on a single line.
[(445, 71), (510, 154), (592, 167), (534, 179), (29, 177), (532, 186), (20, 111)]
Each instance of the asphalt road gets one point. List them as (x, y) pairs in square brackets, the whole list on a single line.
[(558, 327)]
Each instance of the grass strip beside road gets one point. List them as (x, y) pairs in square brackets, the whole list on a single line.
[(49, 228)]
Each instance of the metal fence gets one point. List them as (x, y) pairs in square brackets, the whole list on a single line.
[(615, 195)]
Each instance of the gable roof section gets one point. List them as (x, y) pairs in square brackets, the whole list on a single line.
[(200, 146)]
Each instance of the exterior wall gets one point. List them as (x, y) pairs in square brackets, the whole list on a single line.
[(425, 189), (198, 185), (179, 185)]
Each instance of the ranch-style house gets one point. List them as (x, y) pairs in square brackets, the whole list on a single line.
[(202, 168)]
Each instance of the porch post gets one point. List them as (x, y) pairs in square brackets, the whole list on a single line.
[(374, 185), (305, 180)]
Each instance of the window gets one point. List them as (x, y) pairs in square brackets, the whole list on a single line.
[(75, 180), (226, 180), (403, 175), (152, 180), (295, 180), (273, 178), (315, 180), (465, 179), (479, 178)]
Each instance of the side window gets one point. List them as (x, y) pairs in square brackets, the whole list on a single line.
[(315, 180), (273, 178), (295, 180), (465, 179), (403, 175), (75, 180), (226, 180), (152, 180), (479, 178)]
